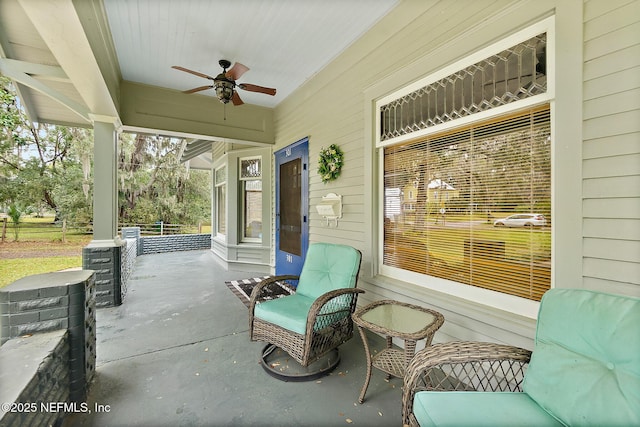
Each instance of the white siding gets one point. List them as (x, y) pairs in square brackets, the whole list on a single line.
[(611, 149), (596, 174)]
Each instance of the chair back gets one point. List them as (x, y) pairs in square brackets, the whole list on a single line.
[(585, 368), (328, 267)]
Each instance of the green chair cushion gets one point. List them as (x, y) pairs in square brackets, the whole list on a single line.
[(328, 267), (479, 409), (585, 368), (288, 312)]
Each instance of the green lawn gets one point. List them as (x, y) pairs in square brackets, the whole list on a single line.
[(448, 242), (15, 268), (40, 248)]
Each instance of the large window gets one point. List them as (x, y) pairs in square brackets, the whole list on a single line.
[(251, 189), (466, 181), (474, 205)]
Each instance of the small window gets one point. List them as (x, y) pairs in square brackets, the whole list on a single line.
[(251, 189), (251, 168), (509, 76)]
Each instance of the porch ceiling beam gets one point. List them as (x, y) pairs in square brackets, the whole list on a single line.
[(9, 69), (60, 27), (43, 72), (27, 102)]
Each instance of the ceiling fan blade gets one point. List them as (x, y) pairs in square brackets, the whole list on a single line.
[(196, 73), (236, 71), (236, 99), (256, 88), (197, 89)]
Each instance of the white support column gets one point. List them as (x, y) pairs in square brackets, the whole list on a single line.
[(103, 254), (105, 185)]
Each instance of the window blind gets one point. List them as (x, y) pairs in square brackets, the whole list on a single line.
[(448, 199)]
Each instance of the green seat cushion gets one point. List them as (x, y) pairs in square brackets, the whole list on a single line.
[(479, 409), (585, 367), (288, 312), (328, 267)]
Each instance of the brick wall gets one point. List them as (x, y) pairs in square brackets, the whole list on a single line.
[(106, 262), (174, 243), (47, 345), (37, 379), (128, 256), (114, 265)]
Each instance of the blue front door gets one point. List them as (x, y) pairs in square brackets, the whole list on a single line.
[(292, 207)]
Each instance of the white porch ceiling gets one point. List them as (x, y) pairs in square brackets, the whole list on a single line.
[(283, 42), (58, 50)]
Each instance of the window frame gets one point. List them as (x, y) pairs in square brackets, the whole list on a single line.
[(487, 297), (220, 187)]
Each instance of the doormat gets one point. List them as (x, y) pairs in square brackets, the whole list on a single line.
[(242, 289)]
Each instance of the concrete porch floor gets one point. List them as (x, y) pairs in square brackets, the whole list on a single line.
[(177, 353)]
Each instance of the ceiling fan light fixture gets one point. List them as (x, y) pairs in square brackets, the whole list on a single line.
[(224, 90), (225, 83)]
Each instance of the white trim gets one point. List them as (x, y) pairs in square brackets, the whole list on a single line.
[(380, 212), (105, 243), (216, 188), (494, 299), (115, 121), (187, 135)]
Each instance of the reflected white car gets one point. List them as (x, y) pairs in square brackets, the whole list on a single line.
[(522, 220)]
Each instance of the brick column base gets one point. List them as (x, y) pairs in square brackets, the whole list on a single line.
[(105, 261)]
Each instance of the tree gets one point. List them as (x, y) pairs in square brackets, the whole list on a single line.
[(36, 159), (155, 186), (15, 213), (73, 190), (45, 167)]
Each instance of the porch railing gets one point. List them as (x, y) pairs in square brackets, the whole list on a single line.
[(59, 230)]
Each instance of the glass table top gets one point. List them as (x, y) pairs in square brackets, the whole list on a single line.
[(399, 318)]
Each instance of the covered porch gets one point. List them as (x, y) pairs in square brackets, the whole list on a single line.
[(153, 366), (177, 352)]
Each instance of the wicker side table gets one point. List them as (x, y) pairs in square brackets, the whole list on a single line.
[(394, 319)]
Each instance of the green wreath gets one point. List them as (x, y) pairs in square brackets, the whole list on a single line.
[(330, 162)]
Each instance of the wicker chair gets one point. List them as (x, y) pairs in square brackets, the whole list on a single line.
[(584, 370), (317, 317), (455, 366)]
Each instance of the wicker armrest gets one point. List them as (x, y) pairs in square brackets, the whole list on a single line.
[(331, 306), (464, 366), (257, 294)]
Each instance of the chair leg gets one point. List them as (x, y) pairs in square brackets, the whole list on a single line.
[(365, 343)]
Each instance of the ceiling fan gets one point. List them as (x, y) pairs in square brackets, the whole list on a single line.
[(225, 82)]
